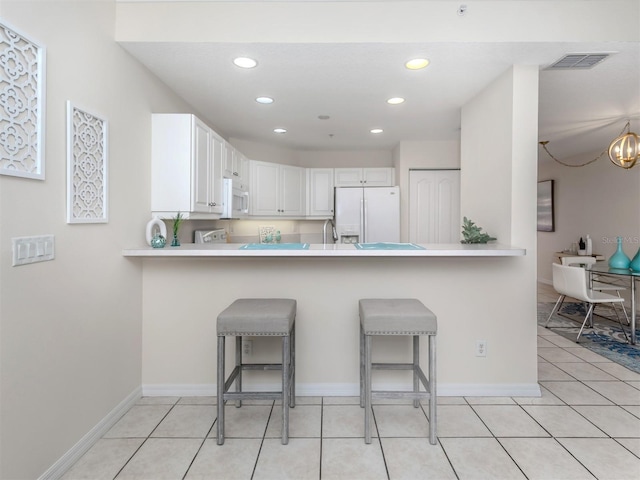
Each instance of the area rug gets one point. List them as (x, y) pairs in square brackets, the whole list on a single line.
[(605, 338)]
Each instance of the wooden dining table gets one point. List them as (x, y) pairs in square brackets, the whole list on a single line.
[(602, 268)]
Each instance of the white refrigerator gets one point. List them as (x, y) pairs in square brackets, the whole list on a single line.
[(367, 214)]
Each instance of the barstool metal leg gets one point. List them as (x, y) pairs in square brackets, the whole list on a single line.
[(433, 400), (292, 390), (367, 389), (239, 365), (286, 359), (220, 398), (416, 365)]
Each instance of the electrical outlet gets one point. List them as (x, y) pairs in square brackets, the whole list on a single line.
[(481, 348), (247, 347)]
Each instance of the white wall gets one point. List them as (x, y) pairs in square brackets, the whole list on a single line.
[(599, 199), (71, 328)]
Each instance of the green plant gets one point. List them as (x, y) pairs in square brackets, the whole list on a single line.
[(177, 220), (471, 233)]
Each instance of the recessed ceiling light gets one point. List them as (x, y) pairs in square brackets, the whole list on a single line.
[(264, 100), (324, 117), (416, 63), (395, 101), (376, 130), (279, 130), (245, 62)]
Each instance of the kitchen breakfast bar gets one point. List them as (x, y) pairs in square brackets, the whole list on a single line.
[(476, 292)]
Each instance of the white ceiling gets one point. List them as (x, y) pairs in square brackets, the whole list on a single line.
[(580, 111)]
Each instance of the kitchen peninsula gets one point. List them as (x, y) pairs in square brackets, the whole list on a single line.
[(184, 289)]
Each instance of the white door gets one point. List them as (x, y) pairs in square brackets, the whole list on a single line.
[(382, 214), (434, 206)]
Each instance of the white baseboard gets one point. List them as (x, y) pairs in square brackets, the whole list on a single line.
[(64, 463), (352, 389)]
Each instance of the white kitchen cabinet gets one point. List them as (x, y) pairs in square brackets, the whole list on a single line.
[(185, 159), (277, 190), (364, 177), (434, 206), (235, 164), (320, 183)]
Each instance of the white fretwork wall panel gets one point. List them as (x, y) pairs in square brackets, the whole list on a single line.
[(22, 92), (87, 162)]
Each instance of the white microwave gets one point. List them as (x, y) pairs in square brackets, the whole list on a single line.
[(235, 200)]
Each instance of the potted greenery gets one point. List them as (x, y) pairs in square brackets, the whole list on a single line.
[(471, 233), (177, 220)]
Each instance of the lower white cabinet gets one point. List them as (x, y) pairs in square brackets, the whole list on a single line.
[(186, 173), (364, 177), (320, 195), (276, 190)]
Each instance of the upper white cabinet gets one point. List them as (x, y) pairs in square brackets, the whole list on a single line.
[(185, 167), (235, 164), (364, 177), (320, 185), (277, 190)]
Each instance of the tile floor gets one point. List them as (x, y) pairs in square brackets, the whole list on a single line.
[(586, 425)]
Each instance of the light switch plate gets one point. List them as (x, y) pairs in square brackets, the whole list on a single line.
[(34, 249)]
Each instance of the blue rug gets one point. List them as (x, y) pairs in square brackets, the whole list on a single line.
[(605, 338)]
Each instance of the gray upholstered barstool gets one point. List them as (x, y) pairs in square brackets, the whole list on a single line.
[(403, 316), (273, 317)]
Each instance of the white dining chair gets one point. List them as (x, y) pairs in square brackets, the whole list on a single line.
[(569, 281), (596, 285)]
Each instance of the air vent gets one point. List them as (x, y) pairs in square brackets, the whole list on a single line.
[(578, 61)]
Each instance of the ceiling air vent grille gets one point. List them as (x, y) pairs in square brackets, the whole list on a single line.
[(578, 61)]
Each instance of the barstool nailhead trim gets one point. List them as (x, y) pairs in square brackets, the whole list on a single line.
[(406, 316), (273, 317)]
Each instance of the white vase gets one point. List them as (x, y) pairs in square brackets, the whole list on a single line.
[(155, 224)]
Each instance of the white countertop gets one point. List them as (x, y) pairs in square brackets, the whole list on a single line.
[(330, 250)]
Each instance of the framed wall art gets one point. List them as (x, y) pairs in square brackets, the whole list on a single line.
[(545, 206), (22, 105), (87, 166)]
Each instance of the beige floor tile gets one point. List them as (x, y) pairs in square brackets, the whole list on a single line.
[(557, 355), (585, 371), (549, 371), (299, 460), (187, 421), (544, 459), (344, 421), (460, 421), (235, 460), (618, 392), (618, 371), (451, 401), (631, 444), (351, 459), (158, 401), (414, 458), (401, 421), (632, 409), (304, 421), (547, 398), (249, 421), (575, 393), (197, 401), (139, 421), (479, 459), (490, 400), (562, 421), (104, 460), (543, 342), (509, 421), (613, 420), (604, 457), (635, 384), (161, 459), (341, 400), (587, 355), (560, 341)]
